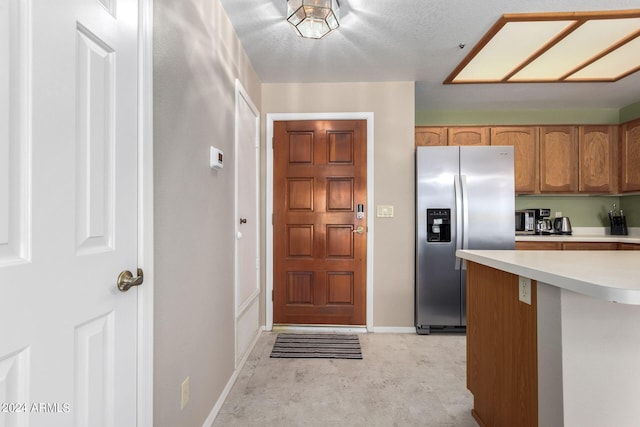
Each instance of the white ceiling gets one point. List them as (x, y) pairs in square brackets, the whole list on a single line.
[(415, 40)]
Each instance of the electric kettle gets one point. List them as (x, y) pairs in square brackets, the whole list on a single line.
[(562, 225)]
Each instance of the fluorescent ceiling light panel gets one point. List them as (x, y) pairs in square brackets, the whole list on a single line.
[(555, 47), (614, 66), (512, 45), (583, 44)]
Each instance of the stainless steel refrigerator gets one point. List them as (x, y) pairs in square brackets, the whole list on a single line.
[(464, 200)]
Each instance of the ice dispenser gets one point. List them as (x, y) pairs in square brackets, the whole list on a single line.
[(438, 225)]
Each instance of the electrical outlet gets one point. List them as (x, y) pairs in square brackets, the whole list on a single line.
[(185, 392), (524, 287)]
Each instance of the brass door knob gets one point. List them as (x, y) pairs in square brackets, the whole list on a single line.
[(359, 230), (126, 280)]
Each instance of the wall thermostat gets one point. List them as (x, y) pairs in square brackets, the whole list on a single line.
[(216, 158)]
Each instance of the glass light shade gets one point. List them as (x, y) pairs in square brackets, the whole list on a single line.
[(313, 19)]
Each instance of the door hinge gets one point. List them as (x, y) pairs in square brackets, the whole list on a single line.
[(271, 219), (273, 142), (272, 292)]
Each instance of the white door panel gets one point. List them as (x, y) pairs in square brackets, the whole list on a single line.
[(247, 262), (248, 209), (68, 211)]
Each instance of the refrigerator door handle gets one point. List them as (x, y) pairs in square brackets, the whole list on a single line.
[(458, 194), (465, 216)]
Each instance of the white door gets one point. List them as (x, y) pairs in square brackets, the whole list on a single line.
[(248, 236), (68, 184)]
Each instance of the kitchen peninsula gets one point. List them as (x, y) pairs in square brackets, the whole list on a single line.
[(570, 357)]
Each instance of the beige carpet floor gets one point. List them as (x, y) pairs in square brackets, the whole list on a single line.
[(402, 380)]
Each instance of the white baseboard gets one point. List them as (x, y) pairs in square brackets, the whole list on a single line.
[(394, 329), (227, 389)]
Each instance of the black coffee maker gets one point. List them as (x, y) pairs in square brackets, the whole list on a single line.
[(543, 223)]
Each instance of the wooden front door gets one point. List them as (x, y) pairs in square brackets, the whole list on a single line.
[(320, 242)]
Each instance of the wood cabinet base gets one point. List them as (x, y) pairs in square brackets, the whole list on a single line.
[(478, 419), (502, 363)]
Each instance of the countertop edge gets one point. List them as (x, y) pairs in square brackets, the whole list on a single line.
[(613, 294), (584, 234)]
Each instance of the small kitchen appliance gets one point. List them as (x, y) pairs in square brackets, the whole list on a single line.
[(562, 225), (543, 223), (525, 222)]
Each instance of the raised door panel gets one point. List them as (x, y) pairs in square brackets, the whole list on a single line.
[(95, 145), (630, 157), (558, 159), (524, 141), (430, 136), (15, 372), (597, 165), (468, 136), (15, 143)]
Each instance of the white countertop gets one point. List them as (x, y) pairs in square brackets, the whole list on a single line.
[(608, 275), (584, 234)]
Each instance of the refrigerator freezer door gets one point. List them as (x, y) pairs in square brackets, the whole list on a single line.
[(437, 280)]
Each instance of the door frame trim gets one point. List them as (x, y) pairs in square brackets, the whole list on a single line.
[(144, 397), (271, 117)]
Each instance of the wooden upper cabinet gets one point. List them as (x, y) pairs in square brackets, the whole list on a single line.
[(598, 152), (468, 136), (558, 159), (524, 141), (630, 156), (428, 135)]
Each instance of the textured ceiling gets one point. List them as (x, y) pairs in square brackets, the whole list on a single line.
[(415, 40)]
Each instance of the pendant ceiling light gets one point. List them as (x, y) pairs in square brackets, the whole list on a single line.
[(313, 19)]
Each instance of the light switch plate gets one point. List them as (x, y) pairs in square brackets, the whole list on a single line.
[(384, 211)]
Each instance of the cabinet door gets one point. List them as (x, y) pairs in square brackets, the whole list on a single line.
[(558, 159), (538, 246), (630, 157), (589, 246), (427, 136), (524, 141), (596, 148), (468, 136)]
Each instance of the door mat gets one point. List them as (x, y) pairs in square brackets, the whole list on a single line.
[(317, 346)]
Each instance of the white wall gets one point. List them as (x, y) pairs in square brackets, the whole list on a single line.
[(197, 58), (393, 106)]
